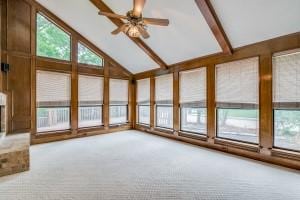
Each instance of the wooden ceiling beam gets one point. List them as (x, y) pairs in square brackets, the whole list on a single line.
[(213, 22), (138, 41)]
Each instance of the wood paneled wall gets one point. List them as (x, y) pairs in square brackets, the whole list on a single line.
[(18, 48), (264, 151)]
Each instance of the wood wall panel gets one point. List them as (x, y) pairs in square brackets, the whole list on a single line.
[(176, 113), (152, 102), (18, 26), (265, 105), (211, 109), (116, 72), (19, 85)]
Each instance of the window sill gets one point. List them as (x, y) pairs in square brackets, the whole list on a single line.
[(53, 133), (285, 154), (92, 128), (143, 125), (193, 135), (118, 125), (164, 130), (240, 145)]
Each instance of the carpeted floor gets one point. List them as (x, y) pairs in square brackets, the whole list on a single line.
[(136, 165)]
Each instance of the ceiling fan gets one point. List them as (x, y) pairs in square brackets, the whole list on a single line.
[(136, 24)]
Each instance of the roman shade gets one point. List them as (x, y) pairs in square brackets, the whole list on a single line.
[(193, 88), (118, 92), (90, 90), (237, 84), (286, 79), (164, 89), (143, 91), (53, 89)]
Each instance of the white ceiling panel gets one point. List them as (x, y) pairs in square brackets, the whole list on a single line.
[(250, 21), (83, 17), (188, 35)]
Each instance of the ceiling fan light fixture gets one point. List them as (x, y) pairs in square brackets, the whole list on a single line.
[(133, 31)]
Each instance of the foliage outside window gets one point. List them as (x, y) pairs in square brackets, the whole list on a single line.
[(86, 56), (287, 129), (52, 42), (193, 120), (238, 124)]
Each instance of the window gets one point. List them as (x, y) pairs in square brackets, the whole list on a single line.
[(52, 42), (118, 99), (143, 101), (53, 101), (86, 56), (286, 100), (193, 101), (90, 90), (237, 100), (164, 101)]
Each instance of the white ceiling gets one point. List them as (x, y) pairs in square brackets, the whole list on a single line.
[(188, 36), (250, 21)]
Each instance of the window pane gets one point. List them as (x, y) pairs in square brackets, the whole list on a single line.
[(287, 129), (52, 119), (90, 116), (52, 42), (193, 120), (238, 124), (86, 56), (164, 116), (144, 114), (117, 114)]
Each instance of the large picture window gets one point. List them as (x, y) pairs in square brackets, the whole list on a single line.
[(143, 101), (237, 100), (87, 56), (90, 90), (193, 101), (118, 100), (52, 42), (164, 101), (53, 101), (286, 100)]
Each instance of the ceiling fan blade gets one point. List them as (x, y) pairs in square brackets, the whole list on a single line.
[(112, 15), (156, 21), (143, 32), (123, 28), (138, 6)]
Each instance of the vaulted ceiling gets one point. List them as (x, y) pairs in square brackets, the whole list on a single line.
[(188, 35)]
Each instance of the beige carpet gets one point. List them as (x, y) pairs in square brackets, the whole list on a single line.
[(136, 165)]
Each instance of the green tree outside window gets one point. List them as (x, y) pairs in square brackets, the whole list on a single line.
[(52, 42), (86, 56)]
